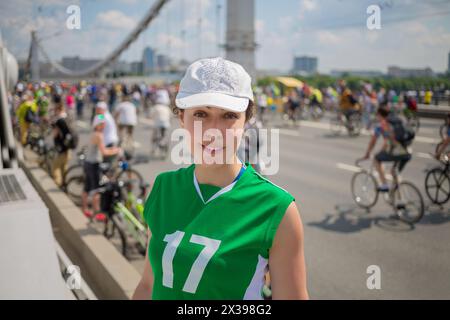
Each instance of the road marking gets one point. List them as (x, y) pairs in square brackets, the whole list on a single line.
[(317, 125), (348, 167), (288, 132), (351, 168), (82, 124), (427, 140), (424, 155)]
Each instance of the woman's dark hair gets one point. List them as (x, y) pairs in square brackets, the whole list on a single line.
[(249, 113), (383, 112)]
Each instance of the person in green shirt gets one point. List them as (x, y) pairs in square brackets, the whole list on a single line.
[(217, 226), (26, 110)]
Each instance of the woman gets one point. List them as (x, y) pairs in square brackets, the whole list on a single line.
[(94, 156), (217, 225)]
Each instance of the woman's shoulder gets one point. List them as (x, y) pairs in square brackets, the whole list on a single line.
[(267, 187), (174, 175)]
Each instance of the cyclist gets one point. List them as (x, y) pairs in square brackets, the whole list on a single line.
[(446, 140), (126, 117), (392, 149), (347, 102), (216, 226), (26, 114), (94, 156), (110, 133), (161, 115)]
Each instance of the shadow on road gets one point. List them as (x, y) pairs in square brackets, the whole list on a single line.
[(341, 136), (435, 215), (350, 219)]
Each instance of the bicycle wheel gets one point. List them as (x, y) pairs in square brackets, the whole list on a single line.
[(414, 123), (437, 186), (355, 124), (364, 189), (317, 112), (74, 188), (445, 151), (131, 181), (408, 203), (443, 131), (73, 171), (336, 126), (119, 225)]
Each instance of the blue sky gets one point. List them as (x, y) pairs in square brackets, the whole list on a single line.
[(414, 33)]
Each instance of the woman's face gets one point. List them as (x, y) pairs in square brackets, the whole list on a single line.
[(208, 127)]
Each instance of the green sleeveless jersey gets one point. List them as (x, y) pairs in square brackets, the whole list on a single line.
[(209, 242)]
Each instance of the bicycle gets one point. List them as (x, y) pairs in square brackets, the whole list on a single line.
[(352, 124), (412, 119), (121, 218), (443, 128), (160, 143), (437, 182), (73, 185), (404, 197), (75, 170)]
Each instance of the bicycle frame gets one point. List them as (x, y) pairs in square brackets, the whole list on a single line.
[(134, 226)]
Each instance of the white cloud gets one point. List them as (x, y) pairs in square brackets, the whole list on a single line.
[(115, 19), (328, 37), (308, 5)]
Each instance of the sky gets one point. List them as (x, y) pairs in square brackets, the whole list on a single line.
[(413, 34)]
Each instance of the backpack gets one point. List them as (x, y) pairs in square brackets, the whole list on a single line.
[(403, 134), (71, 138), (30, 116)]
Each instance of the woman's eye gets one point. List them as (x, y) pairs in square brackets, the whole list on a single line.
[(230, 115), (200, 114)]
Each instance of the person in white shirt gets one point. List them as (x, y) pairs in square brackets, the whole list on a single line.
[(111, 139), (126, 117), (161, 115)]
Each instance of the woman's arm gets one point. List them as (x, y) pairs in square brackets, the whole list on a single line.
[(287, 260), (101, 146), (144, 288)]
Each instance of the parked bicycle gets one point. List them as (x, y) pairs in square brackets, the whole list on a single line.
[(404, 197), (123, 216), (74, 182)]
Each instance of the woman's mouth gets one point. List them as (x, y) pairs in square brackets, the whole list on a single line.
[(211, 149)]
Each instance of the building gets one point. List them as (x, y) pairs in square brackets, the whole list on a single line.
[(356, 73), (148, 61), (136, 67), (305, 65), (397, 72), (162, 63)]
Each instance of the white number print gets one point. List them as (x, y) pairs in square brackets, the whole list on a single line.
[(173, 241)]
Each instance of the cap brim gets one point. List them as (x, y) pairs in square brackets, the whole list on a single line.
[(211, 99)]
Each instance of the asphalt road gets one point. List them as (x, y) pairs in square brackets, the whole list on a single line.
[(342, 241)]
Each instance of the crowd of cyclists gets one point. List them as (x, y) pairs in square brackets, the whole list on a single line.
[(52, 109), (296, 101)]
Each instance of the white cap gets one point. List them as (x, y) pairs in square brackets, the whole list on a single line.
[(102, 105), (98, 119), (215, 82), (162, 97)]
